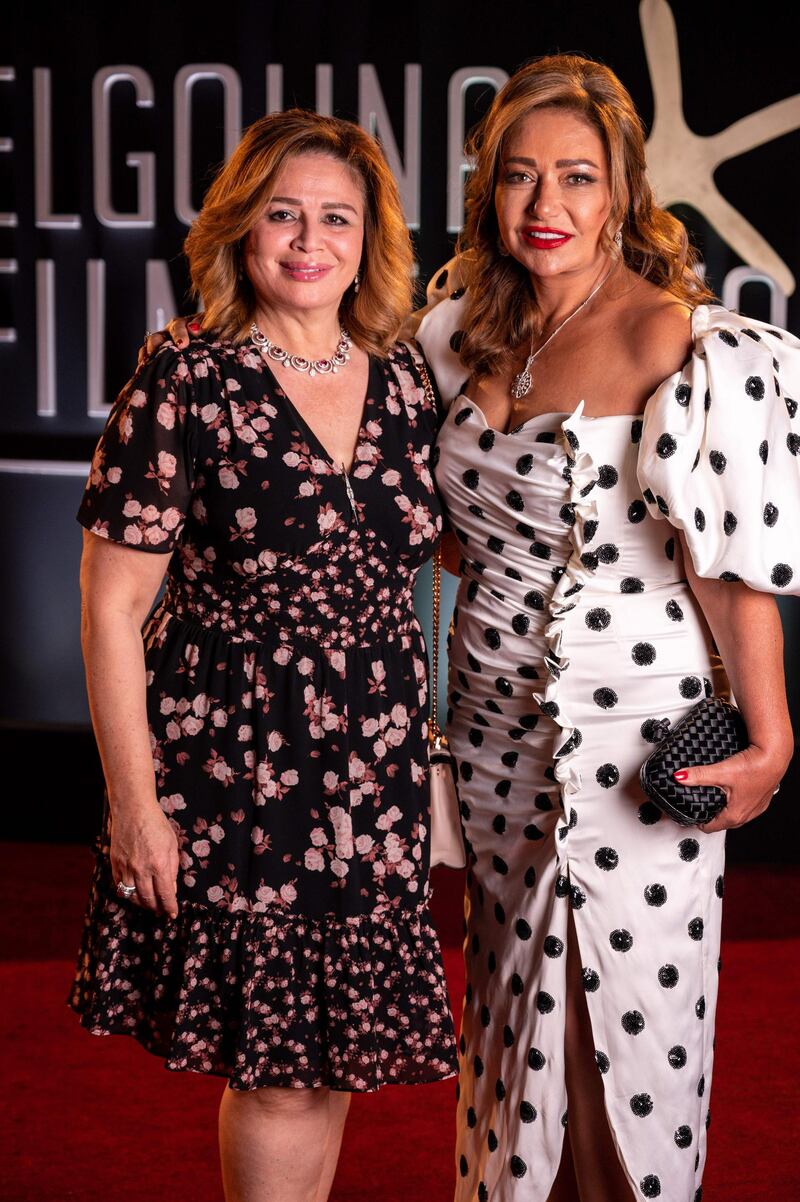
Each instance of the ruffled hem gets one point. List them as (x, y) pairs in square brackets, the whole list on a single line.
[(269, 999), (577, 573)]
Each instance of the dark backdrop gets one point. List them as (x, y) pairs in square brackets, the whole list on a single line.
[(76, 256)]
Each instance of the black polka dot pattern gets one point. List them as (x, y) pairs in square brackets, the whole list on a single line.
[(621, 940), (684, 1136), (536, 1060), (607, 775), (633, 1022), (655, 895), (591, 981), (643, 654), (576, 612), (518, 1167), (688, 849), (598, 619), (642, 1105), (668, 976), (677, 1057)]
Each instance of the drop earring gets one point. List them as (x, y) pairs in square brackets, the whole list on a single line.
[(357, 283), (618, 238)]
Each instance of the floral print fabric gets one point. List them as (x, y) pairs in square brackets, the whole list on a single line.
[(287, 703)]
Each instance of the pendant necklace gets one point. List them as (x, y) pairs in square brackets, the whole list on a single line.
[(339, 358), (523, 381)]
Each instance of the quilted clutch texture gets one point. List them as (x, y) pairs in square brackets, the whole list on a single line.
[(712, 731)]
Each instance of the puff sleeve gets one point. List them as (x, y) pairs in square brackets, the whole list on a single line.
[(719, 456), (143, 471), (437, 329)]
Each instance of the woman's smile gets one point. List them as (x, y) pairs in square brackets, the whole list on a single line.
[(545, 238), (305, 273)]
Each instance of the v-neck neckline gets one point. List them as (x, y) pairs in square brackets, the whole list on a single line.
[(362, 435)]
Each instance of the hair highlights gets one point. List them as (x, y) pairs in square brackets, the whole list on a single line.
[(236, 199), (502, 313)]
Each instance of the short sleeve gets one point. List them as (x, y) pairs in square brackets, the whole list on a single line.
[(438, 328), (143, 471), (719, 455), (420, 372)]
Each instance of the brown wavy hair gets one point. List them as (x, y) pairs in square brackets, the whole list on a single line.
[(502, 314), (236, 200)]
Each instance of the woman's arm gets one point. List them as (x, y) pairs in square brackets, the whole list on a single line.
[(747, 629), (118, 586)]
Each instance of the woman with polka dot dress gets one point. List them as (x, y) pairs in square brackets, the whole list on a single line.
[(619, 465)]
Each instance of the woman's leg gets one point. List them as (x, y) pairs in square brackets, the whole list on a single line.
[(338, 1106), (565, 1187), (599, 1173), (280, 1145)]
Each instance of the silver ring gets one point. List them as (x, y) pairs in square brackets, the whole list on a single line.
[(125, 890)]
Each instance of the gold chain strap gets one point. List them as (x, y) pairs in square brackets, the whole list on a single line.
[(433, 724), (435, 735)]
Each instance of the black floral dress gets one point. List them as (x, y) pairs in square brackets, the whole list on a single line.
[(287, 695)]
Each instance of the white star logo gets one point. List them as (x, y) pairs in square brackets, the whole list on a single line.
[(681, 164)]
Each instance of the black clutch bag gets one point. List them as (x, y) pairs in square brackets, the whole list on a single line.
[(712, 731)]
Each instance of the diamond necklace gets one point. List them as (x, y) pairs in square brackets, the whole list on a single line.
[(338, 359), (523, 381)]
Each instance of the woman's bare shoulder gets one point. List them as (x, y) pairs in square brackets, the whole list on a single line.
[(658, 329)]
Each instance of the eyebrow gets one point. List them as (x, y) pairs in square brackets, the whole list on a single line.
[(331, 204), (559, 163)]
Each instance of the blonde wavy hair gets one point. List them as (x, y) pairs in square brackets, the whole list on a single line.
[(502, 314), (238, 196)]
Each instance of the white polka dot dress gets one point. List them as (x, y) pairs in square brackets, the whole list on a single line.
[(576, 642)]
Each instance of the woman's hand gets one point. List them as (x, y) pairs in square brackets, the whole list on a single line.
[(746, 627), (180, 330), (144, 853), (750, 779), (118, 587)]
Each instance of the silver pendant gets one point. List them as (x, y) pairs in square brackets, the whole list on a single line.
[(523, 382)]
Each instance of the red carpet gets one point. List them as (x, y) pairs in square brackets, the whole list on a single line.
[(99, 1120)]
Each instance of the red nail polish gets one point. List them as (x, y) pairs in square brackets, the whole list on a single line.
[(681, 775), (194, 326)]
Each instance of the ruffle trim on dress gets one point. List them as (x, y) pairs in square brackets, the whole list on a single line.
[(269, 999), (578, 466)]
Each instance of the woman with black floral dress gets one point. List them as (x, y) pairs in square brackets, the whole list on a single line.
[(260, 903)]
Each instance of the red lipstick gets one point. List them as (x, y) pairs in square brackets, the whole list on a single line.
[(544, 237)]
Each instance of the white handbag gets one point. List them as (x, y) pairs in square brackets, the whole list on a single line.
[(447, 836)]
